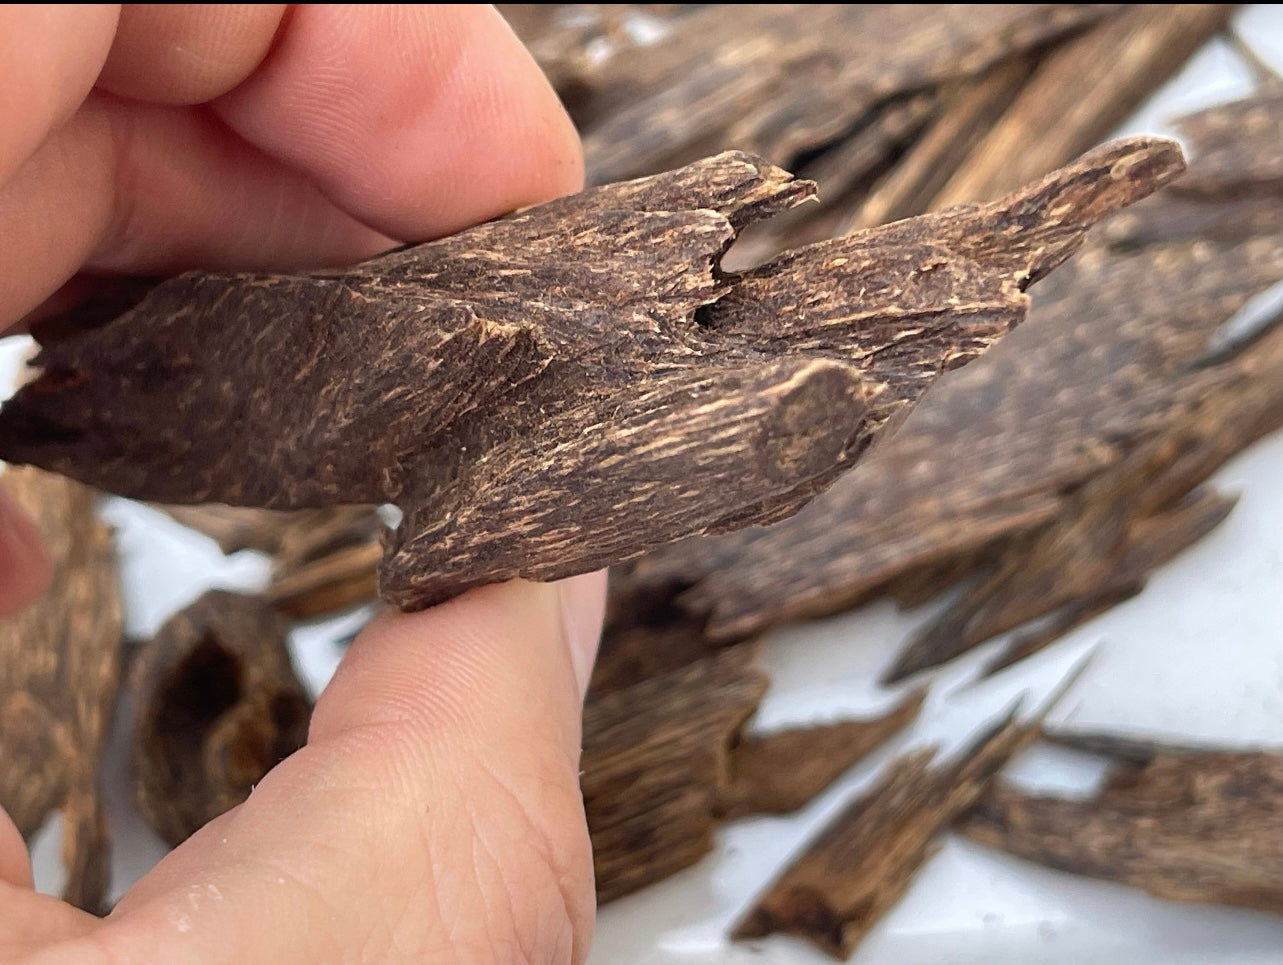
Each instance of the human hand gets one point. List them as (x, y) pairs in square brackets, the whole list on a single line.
[(435, 814)]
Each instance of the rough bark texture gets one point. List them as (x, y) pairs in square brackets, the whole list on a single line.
[(781, 80), (59, 675), (865, 859), (778, 773), (1057, 496), (217, 706), (585, 353), (846, 94), (654, 757), (1181, 824), (665, 762), (1081, 92)]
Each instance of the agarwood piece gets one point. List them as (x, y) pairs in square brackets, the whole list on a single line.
[(866, 857), (1186, 825), (666, 761), (1148, 543), (780, 772), (59, 675), (993, 456), (784, 80), (654, 758), (1083, 90), (343, 578), (1118, 527), (596, 387), (1221, 134), (293, 537), (966, 114), (217, 705)]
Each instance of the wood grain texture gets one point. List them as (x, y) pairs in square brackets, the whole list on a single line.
[(785, 80), (666, 760), (563, 389), (988, 474), (1081, 92), (865, 858), (780, 772), (653, 759), (217, 705), (59, 676), (1186, 825)]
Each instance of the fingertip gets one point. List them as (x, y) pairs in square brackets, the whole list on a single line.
[(418, 119), (474, 664), (50, 54), (583, 609), (15, 861)]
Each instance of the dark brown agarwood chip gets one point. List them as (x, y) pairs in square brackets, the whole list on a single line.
[(218, 705), (1185, 825), (1147, 544), (977, 474), (992, 456), (1226, 166), (967, 112), (783, 80), (59, 675), (563, 389), (1128, 519), (778, 773), (865, 859), (1083, 90), (654, 760), (343, 578), (292, 538), (665, 762)]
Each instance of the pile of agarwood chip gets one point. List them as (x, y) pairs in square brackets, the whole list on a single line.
[(674, 373)]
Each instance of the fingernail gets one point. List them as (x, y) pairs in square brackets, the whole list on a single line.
[(583, 606)]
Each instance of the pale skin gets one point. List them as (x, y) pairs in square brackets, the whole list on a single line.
[(434, 815)]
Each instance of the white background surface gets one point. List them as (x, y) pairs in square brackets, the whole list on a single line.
[(1199, 655)]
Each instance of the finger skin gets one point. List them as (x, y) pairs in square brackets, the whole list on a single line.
[(434, 816), (50, 54), (365, 127), (150, 189), (15, 863), (419, 119), (186, 53), (25, 571)]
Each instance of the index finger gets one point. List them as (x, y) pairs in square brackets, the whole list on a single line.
[(417, 119)]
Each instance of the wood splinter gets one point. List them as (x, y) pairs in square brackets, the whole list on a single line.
[(562, 389), (865, 859), (59, 675), (1182, 823)]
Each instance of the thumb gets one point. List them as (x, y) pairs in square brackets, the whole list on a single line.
[(434, 815)]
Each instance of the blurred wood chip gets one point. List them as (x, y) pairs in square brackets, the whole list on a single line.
[(1180, 823), (865, 858), (217, 705), (59, 676), (665, 761)]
